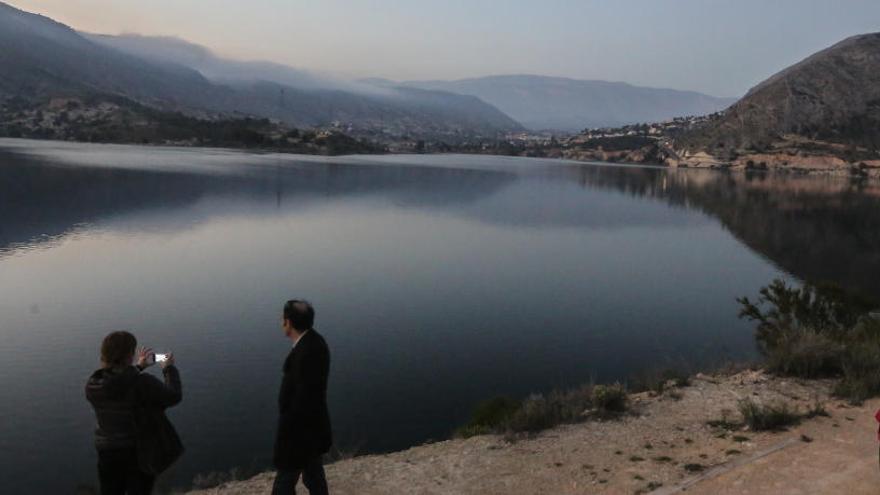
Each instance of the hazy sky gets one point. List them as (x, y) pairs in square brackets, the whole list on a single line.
[(721, 47)]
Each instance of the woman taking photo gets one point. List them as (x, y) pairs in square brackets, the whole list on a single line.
[(135, 441)]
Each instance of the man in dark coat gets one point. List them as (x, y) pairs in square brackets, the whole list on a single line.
[(304, 433)]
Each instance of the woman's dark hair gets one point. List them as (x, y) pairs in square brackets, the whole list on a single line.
[(117, 348), (300, 314)]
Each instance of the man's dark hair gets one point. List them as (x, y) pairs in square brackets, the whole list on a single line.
[(300, 314), (117, 348)]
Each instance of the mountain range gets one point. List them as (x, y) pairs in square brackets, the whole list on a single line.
[(536, 102), (562, 104), (305, 99), (41, 59)]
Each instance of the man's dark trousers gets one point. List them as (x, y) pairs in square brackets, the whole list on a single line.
[(312, 475)]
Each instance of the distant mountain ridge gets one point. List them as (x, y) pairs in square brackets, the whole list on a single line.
[(556, 103), (303, 98)]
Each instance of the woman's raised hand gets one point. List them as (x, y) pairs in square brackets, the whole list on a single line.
[(145, 357)]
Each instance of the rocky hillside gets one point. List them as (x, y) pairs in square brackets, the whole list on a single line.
[(823, 112), (40, 59)]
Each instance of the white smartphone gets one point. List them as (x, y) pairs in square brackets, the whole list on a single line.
[(161, 357)]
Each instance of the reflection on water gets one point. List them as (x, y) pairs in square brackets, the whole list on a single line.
[(438, 281), (822, 229)]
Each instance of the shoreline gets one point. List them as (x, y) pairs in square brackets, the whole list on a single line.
[(846, 170), (686, 436)]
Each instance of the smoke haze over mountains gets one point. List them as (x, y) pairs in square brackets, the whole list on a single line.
[(720, 48), (292, 74)]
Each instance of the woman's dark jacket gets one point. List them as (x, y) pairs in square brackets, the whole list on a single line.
[(304, 424), (116, 393)]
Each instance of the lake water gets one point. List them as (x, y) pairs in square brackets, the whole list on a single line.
[(438, 281)]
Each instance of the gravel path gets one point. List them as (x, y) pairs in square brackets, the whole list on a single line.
[(664, 446)]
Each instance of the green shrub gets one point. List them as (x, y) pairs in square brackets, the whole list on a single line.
[(682, 381), (540, 412), (768, 417), (826, 310), (723, 424), (494, 412), (805, 353), (658, 380), (573, 403), (489, 416), (812, 332), (534, 415), (861, 373), (860, 364), (609, 399), (546, 411), (468, 431)]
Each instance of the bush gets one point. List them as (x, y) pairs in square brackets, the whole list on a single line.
[(489, 416), (535, 414), (768, 417), (825, 310), (861, 372), (658, 380), (812, 332), (608, 399), (540, 412), (805, 353), (573, 403), (724, 423)]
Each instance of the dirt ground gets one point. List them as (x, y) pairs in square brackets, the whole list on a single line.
[(841, 459), (665, 446)]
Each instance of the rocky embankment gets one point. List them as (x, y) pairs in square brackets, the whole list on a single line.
[(793, 153), (685, 438)]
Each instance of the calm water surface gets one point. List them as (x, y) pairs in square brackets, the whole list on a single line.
[(438, 281)]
